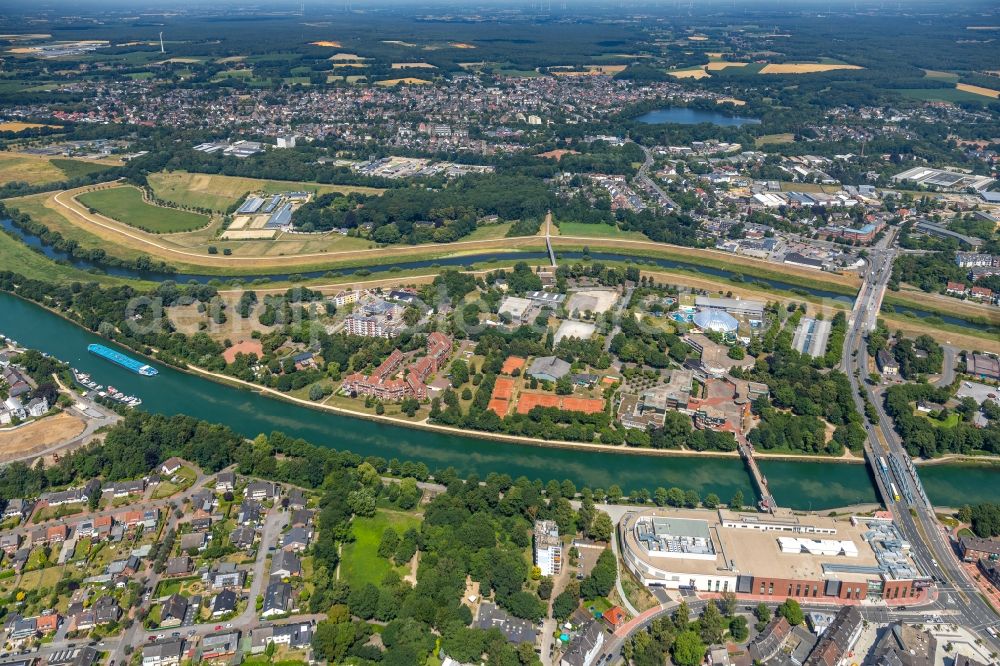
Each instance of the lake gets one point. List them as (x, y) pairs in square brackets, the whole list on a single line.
[(680, 115)]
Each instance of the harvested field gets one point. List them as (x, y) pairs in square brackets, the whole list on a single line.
[(39, 435), (413, 65), (557, 154), (15, 126), (978, 90), (588, 70), (328, 44), (722, 64), (731, 100), (461, 45), (410, 81), (36, 169), (698, 73), (344, 57), (804, 68), (126, 205)]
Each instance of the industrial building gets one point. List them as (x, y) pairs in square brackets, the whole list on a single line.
[(811, 336), (779, 555), (737, 307), (944, 179)]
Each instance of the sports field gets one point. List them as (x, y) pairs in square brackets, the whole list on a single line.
[(218, 193), (126, 205)]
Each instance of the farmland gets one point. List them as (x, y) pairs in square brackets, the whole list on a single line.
[(218, 193), (35, 170), (126, 205)]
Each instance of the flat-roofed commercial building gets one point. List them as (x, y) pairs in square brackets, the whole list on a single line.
[(781, 555), (734, 306)]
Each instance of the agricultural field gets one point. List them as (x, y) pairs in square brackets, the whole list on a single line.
[(360, 562), (770, 139), (946, 94), (804, 67), (35, 170), (16, 126), (125, 204), (218, 193)]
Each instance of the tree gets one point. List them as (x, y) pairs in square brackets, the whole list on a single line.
[(688, 649), (459, 372), (727, 603), (564, 604), (601, 528), (712, 624), (736, 504), (791, 611), (361, 502), (711, 501), (763, 615), (390, 541), (564, 386), (738, 628), (602, 576)]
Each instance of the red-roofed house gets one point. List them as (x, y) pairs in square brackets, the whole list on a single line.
[(614, 616), (982, 293), (955, 288)]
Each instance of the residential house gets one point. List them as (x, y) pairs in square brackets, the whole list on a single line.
[(585, 646), (286, 564), (243, 537), (249, 513), (9, 542), (17, 508), (301, 518), (887, 365), (178, 566), (296, 539), (173, 611), (47, 622), (225, 482), (260, 490), (223, 603), (296, 636), (193, 541), (171, 465), (277, 599), (167, 652), (37, 407), (227, 579), (76, 656), (219, 646)]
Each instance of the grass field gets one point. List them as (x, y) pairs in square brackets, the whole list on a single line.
[(769, 139), (942, 95), (125, 204), (34, 170), (218, 193), (489, 232), (597, 231), (360, 562), (804, 68)]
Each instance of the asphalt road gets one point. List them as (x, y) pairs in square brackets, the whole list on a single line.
[(932, 548)]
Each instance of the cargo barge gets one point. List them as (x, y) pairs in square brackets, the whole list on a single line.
[(138, 367)]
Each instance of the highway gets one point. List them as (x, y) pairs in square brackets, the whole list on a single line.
[(932, 548)]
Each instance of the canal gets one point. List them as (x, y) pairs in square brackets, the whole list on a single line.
[(798, 484)]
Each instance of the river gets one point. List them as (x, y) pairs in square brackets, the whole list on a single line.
[(462, 261), (797, 484), (680, 115)]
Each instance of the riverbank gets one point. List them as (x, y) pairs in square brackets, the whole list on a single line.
[(799, 484)]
